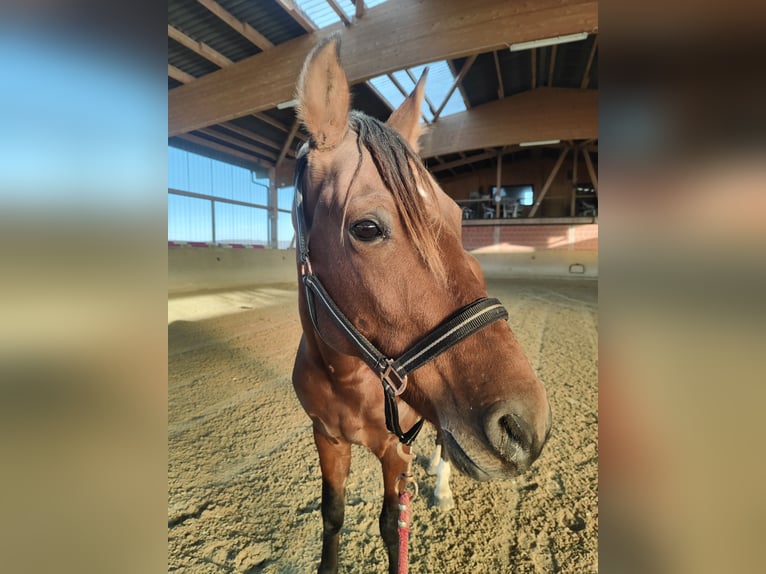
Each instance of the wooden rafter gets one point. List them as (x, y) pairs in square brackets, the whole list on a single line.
[(339, 11), (440, 161), (573, 205), (359, 5), (250, 135), (541, 114), (464, 161), (549, 181), (498, 181), (243, 28), (425, 96), (179, 75), (500, 89), (380, 96), (450, 29), (552, 65), (185, 78), (223, 149), (463, 71), (297, 14), (404, 92), (460, 86), (591, 171), (286, 147), (239, 143), (272, 122), (586, 74), (277, 124), (534, 67), (200, 48)]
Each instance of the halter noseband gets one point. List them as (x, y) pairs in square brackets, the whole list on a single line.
[(392, 372)]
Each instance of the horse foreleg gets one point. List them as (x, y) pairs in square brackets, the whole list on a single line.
[(335, 460), (442, 493), (440, 466), (393, 466), (433, 465)]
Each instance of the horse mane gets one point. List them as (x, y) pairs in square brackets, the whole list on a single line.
[(404, 175)]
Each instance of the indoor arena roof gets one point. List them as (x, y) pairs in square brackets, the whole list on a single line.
[(500, 74)]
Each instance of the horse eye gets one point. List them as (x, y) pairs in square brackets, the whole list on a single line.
[(366, 230)]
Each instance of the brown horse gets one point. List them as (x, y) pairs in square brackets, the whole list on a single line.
[(385, 241)]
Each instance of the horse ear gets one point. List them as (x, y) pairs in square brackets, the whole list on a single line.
[(406, 118), (323, 94)]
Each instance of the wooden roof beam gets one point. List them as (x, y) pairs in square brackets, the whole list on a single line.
[(359, 5), (500, 89), (425, 96), (179, 75), (375, 45), (277, 124), (464, 161), (297, 14), (199, 48), (245, 29), (239, 143), (404, 93), (339, 11), (463, 71), (250, 135), (548, 182), (380, 96), (586, 74), (185, 78), (460, 86), (552, 65), (224, 149), (541, 114), (591, 171), (286, 147)]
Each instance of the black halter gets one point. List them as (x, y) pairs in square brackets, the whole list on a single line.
[(392, 372)]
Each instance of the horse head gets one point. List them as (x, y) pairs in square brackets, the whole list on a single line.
[(386, 242)]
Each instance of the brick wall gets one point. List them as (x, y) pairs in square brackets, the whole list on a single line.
[(525, 238)]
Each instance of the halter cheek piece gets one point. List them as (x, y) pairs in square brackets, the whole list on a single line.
[(392, 372)]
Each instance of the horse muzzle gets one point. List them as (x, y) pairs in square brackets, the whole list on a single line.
[(516, 435), (513, 441)]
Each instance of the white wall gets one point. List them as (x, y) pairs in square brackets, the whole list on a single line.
[(553, 264), (193, 269)]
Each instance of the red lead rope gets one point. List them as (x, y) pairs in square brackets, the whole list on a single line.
[(405, 516), (404, 482)]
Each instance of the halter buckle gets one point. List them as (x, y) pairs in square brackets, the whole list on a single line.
[(387, 377), (306, 267)]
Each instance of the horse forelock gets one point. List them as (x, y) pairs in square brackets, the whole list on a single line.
[(404, 175), (408, 181)]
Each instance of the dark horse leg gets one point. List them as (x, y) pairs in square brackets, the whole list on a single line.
[(335, 460), (393, 466)]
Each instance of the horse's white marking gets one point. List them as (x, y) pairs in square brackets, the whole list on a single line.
[(442, 493), (435, 458), (422, 192), (441, 468)]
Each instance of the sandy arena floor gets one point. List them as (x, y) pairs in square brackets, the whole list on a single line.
[(243, 476)]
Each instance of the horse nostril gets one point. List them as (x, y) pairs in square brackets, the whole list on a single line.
[(516, 432), (512, 429)]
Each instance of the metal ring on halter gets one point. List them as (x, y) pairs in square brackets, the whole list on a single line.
[(409, 482), (388, 375)]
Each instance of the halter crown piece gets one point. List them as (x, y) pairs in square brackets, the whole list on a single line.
[(392, 372)]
